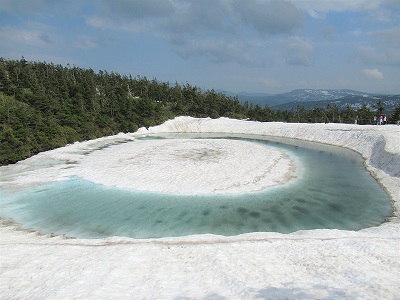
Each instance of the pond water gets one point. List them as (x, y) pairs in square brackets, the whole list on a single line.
[(333, 191)]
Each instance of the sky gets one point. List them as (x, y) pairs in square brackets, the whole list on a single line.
[(254, 46)]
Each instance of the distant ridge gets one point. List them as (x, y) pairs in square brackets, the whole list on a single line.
[(389, 102), (312, 98)]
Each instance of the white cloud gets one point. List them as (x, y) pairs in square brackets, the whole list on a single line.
[(388, 47), (269, 82), (12, 6), (298, 51), (328, 31), (44, 8), (390, 36), (136, 26), (373, 73), (220, 50), (356, 32), (214, 30), (380, 10), (12, 36), (87, 42), (177, 17), (325, 6), (201, 17), (138, 9), (269, 17), (386, 50)]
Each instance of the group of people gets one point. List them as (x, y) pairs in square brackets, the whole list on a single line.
[(380, 120)]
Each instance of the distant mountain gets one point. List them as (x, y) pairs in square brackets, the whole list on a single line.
[(310, 98), (389, 102), (299, 95), (307, 95)]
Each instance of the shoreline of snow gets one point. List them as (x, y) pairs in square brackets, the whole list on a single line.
[(378, 145), (329, 264)]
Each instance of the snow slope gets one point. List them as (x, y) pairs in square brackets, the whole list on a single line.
[(322, 264)]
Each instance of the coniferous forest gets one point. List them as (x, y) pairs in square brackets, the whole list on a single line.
[(44, 106)]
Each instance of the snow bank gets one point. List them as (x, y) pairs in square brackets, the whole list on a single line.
[(323, 264)]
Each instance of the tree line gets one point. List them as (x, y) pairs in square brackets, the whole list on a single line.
[(45, 106)]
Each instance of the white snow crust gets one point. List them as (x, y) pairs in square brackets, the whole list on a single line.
[(187, 166), (314, 264)]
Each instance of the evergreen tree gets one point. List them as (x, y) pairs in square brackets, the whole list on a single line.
[(395, 117)]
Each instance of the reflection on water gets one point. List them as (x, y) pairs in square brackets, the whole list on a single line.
[(334, 191)]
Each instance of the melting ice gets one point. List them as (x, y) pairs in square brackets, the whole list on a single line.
[(331, 191)]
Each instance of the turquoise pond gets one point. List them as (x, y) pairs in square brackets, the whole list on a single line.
[(333, 191)]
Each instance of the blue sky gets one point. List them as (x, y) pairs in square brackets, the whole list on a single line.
[(263, 46)]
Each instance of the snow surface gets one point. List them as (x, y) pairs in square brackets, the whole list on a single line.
[(185, 166), (314, 264)]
